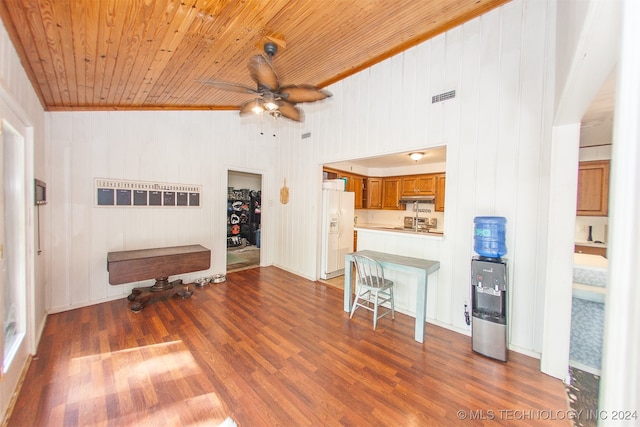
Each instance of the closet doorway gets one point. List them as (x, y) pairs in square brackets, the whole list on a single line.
[(244, 210)]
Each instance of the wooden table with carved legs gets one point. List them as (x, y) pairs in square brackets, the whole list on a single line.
[(158, 264)]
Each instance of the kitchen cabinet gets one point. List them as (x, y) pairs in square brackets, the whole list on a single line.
[(593, 188), (385, 193), (439, 201), (593, 250), (353, 183), (391, 193), (419, 185), (357, 186), (374, 193)]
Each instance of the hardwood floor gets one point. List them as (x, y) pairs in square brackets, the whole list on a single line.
[(242, 258), (269, 348)]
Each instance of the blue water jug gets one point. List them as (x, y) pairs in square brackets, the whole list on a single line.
[(489, 236)]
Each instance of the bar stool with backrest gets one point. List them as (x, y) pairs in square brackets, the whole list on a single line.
[(372, 288)]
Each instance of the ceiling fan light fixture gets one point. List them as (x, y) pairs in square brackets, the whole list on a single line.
[(270, 102), (416, 156), (257, 108)]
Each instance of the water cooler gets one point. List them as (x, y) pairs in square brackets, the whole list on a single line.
[(489, 289)]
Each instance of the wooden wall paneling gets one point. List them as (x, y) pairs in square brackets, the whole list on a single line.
[(362, 85), (462, 167), (509, 97), (436, 86), (81, 187), (508, 128), (407, 103), (419, 96), (298, 180), (449, 303), (489, 86), (60, 198), (136, 226), (394, 128), (117, 144), (285, 238), (507, 160), (99, 224), (380, 76), (533, 162), (349, 102), (176, 140)]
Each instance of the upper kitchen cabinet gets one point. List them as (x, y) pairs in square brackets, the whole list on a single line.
[(383, 193), (374, 193), (357, 186), (353, 183), (391, 193), (593, 188), (439, 201), (419, 185)]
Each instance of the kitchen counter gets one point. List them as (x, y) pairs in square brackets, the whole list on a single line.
[(590, 244), (590, 270), (434, 234), (585, 247)]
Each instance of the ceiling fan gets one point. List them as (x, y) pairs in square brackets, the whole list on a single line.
[(270, 97)]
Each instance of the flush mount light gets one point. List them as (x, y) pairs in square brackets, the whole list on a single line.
[(416, 156)]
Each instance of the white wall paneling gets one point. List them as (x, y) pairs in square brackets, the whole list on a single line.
[(491, 130), (192, 147)]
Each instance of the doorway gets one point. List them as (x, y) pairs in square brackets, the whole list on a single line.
[(244, 211), (13, 255)]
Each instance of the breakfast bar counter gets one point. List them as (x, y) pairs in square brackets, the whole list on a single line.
[(420, 267)]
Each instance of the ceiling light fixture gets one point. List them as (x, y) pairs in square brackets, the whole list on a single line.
[(416, 156), (257, 108), (270, 102)]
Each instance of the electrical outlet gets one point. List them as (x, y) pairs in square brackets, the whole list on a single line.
[(467, 310)]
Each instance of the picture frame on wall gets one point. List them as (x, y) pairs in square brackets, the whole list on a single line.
[(127, 193)]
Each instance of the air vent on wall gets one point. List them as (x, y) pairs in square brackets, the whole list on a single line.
[(443, 96)]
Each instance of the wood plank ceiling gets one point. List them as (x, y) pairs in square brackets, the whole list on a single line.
[(149, 54)]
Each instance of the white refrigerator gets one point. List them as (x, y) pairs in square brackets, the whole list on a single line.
[(337, 231)]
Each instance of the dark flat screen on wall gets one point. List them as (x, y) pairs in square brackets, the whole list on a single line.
[(169, 198), (123, 197), (106, 197), (140, 198), (181, 199), (155, 198)]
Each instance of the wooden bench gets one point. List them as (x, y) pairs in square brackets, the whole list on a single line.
[(158, 264)]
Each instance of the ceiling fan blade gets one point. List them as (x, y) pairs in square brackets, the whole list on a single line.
[(303, 93), (230, 87), (250, 106), (290, 111), (263, 74)]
